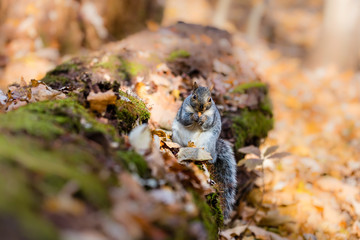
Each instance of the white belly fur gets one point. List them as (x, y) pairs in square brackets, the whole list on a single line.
[(182, 135)]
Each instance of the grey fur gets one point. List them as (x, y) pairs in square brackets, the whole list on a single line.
[(187, 126), (184, 127), (224, 174)]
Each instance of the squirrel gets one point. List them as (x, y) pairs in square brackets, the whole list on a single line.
[(198, 120)]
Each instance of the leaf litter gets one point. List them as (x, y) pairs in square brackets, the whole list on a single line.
[(311, 193), (313, 186)]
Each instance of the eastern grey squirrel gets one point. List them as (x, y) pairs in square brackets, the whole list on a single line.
[(198, 120)]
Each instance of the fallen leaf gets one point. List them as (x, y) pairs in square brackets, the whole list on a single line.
[(221, 67), (233, 232), (99, 101), (42, 93), (193, 154), (172, 144), (159, 132), (3, 98), (265, 235), (152, 25)]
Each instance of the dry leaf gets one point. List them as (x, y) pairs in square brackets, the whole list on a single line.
[(42, 92), (159, 132), (250, 149), (172, 144), (233, 232), (99, 101), (152, 25), (3, 98), (252, 163), (193, 154), (265, 235), (270, 150), (279, 155), (64, 204), (221, 67)]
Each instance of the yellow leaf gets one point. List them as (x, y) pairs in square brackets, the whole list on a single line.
[(152, 25)]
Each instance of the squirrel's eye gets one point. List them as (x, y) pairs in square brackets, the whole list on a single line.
[(209, 100), (194, 97)]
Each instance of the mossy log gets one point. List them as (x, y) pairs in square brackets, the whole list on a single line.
[(71, 150)]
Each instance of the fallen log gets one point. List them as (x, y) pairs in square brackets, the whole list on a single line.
[(67, 167)]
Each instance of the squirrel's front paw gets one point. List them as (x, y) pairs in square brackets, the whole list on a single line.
[(202, 119), (195, 117)]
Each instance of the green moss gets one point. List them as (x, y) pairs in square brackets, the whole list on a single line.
[(250, 127), (56, 80), (50, 119), (112, 63), (266, 106), (26, 166), (130, 112), (66, 67), (121, 67), (30, 121), (133, 162), (60, 76), (245, 86), (133, 68), (206, 216), (214, 203), (178, 54), (253, 124), (68, 163), (44, 146)]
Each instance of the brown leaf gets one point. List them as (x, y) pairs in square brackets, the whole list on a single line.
[(252, 163), (250, 149), (35, 83), (159, 132), (193, 154), (270, 150), (42, 93), (152, 25), (279, 155), (171, 144), (191, 144), (221, 67), (232, 232), (99, 101), (263, 234), (274, 219), (206, 39), (3, 98)]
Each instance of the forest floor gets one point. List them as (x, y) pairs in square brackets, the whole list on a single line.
[(313, 192)]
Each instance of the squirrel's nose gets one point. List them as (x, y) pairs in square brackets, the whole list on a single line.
[(201, 107)]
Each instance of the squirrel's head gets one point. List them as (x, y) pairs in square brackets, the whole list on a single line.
[(201, 98)]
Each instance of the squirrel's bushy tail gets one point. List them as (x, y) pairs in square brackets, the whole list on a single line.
[(224, 175)]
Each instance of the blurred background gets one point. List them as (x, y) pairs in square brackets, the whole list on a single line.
[(35, 35)]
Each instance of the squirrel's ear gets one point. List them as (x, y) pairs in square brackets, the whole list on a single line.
[(212, 87), (195, 86)]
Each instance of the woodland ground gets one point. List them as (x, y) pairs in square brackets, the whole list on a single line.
[(311, 193), (316, 120)]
